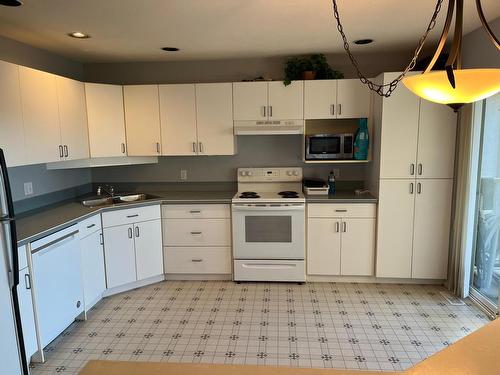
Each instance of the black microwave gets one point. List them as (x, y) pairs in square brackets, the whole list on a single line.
[(329, 146)]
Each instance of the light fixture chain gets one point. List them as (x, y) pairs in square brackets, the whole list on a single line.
[(391, 86)]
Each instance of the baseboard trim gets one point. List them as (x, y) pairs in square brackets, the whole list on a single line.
[(134, 285), (371, 280), (197, 277)]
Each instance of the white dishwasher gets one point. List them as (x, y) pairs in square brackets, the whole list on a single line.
[(57, 282)]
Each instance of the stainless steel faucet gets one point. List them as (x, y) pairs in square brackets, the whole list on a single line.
[(108, 189)]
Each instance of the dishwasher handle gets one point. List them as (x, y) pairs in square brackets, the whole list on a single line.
[(53, 242)]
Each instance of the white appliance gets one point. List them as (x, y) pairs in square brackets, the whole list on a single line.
[(269, 225), (11, 337), (269, 127)]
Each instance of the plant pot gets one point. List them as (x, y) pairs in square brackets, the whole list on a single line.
[(308, 75)]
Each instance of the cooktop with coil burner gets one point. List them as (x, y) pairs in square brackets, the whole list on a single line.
[(269, 185)]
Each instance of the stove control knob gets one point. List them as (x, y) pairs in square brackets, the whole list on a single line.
[(242, 173), (289, 173), (295, 173), (249, 173)]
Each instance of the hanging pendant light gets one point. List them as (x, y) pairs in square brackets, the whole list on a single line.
[(453, 86)]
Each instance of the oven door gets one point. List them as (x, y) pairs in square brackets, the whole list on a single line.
[(269, 231), (324, 147)]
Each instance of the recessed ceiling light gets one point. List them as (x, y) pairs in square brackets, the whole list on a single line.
[(363, 41), (11, 3), (170, 49), (79, 35)]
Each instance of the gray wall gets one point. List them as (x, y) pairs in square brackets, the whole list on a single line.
[(477, 49), (44, 181), (253, 151)]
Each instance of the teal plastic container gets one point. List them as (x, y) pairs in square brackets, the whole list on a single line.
[(361, 142)]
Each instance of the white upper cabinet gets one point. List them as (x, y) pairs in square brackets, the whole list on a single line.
[(339, 98), (286, 102), (353, 99), (214, 119), (40, 115), (436, 141), (142, 120), (250, 101), (398, 149), (73, 118), (11, 116), (320, 99), (106, 121), (178, 119)]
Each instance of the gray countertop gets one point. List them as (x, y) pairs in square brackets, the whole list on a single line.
[(42, 222)]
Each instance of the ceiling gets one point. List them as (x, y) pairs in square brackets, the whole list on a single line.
[(131, 30)]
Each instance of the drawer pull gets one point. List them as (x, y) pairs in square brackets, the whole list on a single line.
[(197, 260), (195, 212), (135, 215), (90, 226), (340, 210), (197, 232)]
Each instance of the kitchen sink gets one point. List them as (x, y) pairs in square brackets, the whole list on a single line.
[(120, 198)]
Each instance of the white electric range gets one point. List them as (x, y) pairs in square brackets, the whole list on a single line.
[(269, 225)]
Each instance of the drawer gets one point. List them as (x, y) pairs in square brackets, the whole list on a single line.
[(191, 211), (22, 257), (198, 260), (197, 232), (269, 270), (130, 215), (367, 210), (90, 225)]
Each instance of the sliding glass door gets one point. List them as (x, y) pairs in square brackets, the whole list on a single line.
[(485, 275)]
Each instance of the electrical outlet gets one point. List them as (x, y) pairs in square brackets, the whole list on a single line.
[(28, 188), (336, 172), (184, 174)]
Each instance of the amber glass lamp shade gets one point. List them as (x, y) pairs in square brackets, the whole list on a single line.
[(470, 85)]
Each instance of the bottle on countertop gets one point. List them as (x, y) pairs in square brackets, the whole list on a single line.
[(331, 183)]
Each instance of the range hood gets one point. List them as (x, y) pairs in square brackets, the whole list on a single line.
[(274, 127)]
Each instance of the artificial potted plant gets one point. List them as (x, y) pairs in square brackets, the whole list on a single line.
[(314, 67)]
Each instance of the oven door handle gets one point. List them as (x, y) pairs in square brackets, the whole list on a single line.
[(269, 208)]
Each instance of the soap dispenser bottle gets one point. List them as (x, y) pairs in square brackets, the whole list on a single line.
[(331, 183)]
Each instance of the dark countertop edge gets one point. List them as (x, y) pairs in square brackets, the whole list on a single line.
[(99, 210)]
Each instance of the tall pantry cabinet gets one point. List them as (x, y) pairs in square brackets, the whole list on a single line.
[(417, 152)]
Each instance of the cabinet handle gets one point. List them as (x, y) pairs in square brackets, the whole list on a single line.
[(129, 232), (90, 226), (411, 188), (134, 215), (195, 212), (270, 111), (158, 147), (61, 152), (101, 239), (123, 148), (344, 226), (337, 226), (27, 280), (419, 188), (340, 109), (194, 147), (263, 111), (201, 147), (66, 151), (420, 169), (137, 232), (332, 109), (197, 260), (341, 210), (196, 232), (412, 169)]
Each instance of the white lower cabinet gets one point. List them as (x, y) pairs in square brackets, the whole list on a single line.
[(196, 260), (341, 239), (133, 248), (92, 253), (26, 312)]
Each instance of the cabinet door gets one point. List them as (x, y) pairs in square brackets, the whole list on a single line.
[(26, 312), (250, 101), (320, 98), (178, 119), (395, 228), (353, 99), (398, 149), (214, 118), (286, 102), (148, 249), (323, 247), (94, 277), (11, 116), (41, 115), (142, 120), (436, 141), (73, 117), (105, 119), (358, 247), (119, 255), (432, 229)]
